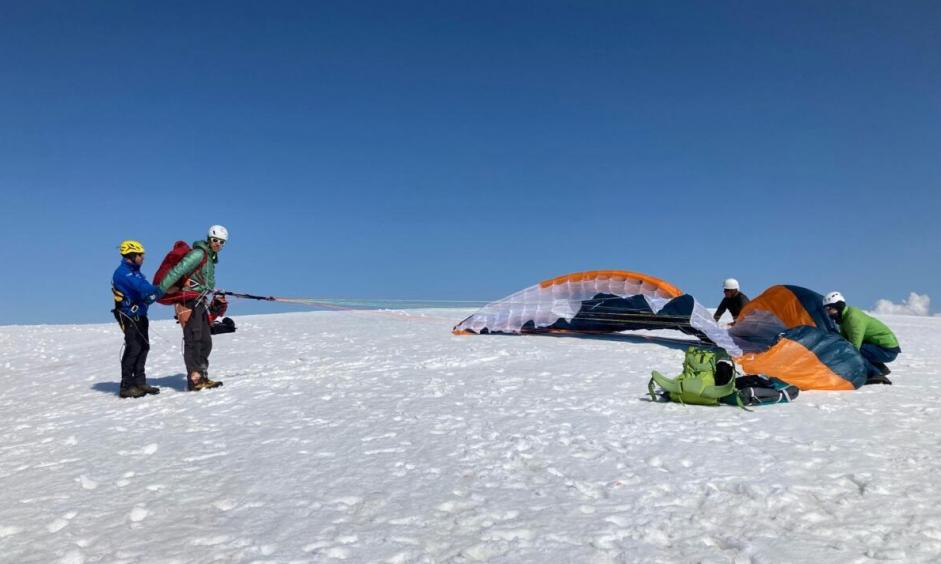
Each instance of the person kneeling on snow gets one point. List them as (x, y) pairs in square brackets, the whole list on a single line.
[(132, 294), (874, 341)]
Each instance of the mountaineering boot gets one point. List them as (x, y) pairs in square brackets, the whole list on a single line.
[(206, 383), (883, 369), (147, 389), (132, 392), (880, 379)]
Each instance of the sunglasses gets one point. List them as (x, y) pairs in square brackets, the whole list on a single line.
[(214, 240)]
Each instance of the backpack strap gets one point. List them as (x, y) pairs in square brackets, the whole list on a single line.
[(669, 385)]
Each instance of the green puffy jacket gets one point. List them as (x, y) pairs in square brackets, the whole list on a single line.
[(201, 279), (859, 328)]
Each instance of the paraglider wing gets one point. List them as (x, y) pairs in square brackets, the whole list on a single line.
[(811, 359), (776, 310), (540, 306), (786, 333), (601, 301)]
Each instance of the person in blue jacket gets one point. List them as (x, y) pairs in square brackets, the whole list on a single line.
[(132, 294)]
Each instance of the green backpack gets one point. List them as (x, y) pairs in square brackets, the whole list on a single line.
[(698, 384)]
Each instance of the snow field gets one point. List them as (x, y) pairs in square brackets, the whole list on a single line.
[(380, 437)]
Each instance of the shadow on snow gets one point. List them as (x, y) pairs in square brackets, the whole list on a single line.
[(176, 382)]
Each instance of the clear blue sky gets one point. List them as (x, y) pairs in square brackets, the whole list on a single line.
[(464, 150)]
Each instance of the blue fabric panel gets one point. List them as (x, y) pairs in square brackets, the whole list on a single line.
[(608, 313), (813, 303), (833, 350), (680, 306)]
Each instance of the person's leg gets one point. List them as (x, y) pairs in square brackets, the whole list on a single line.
[(140, 377), (198, 344), (875, 353), (878, 356), (207, 340), (130, 355), (132, 350), (192, 348), (206, 349), (140, 374)]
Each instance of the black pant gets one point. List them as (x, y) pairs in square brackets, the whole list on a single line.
[(136, 347), (197, 340)]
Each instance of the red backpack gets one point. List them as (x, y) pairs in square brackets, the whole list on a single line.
[(176, 254)]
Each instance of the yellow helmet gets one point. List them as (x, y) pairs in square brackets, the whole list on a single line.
[(128, 247)]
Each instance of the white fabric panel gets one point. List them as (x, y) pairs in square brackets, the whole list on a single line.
[(701, 319), (545, 306)]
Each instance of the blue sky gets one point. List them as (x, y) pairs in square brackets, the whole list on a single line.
[(464, 150)]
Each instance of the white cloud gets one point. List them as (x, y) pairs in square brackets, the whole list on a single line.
[(916, 304)]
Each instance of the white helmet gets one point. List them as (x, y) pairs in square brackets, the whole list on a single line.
[(833, 298), (219, 232), (730, 284)]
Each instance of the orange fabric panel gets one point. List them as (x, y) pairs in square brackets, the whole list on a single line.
[(790, 361), (782, 303), (663, 285)]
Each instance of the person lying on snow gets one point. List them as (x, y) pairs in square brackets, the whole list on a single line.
[(874, 341)]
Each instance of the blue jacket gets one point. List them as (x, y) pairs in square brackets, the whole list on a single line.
[(133, 290)]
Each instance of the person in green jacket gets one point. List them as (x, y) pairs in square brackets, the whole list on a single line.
[(195, 274), (871, 337)]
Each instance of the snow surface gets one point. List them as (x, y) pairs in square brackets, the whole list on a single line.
[(380, 437)]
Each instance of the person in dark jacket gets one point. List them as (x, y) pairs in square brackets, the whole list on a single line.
[(198, 269), (733, 302), (132, 294)]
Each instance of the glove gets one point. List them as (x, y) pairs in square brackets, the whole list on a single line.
[(218, 306)]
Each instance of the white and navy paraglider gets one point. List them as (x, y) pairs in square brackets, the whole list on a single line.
[(598, 302)]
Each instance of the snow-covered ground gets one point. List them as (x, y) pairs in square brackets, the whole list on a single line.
[(380, 437)]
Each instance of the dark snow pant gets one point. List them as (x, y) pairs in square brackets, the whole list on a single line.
[(197, 340), (877, 357), (136, 347)]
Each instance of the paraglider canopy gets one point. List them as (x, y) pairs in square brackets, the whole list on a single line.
[(599, 301)]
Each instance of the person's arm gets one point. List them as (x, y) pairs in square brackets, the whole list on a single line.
[(741, 300), (188, 264), (854, 329), (147, 291), (723, 306)]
